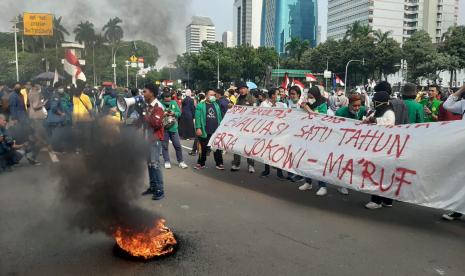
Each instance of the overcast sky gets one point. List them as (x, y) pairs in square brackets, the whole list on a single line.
[(159, 21)]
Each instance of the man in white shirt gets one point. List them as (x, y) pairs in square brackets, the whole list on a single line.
[(455, 104)]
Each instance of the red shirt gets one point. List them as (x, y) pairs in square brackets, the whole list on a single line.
[(445, 115), (155, 121)]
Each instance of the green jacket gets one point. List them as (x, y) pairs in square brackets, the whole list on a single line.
[(173, 106), (344, 112), (201, 116), (322, 108), (416, 112), (433, 106)]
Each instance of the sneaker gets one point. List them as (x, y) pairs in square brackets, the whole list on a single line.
[(373, 206), (282, 178), (220, 167), (33, 162), (306, 187), (297, 178), (251, 169), (192, 153), (322, 191), (386, 205), (343, 191), (183, 165), (265, 174), (158, 195), (452, 216), (167, 165), (199, 167), (148, 192), (235, 168)]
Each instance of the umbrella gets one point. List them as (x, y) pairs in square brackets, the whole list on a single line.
[(48, 76), (251, 85)]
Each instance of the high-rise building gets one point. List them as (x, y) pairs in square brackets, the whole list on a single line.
[(401, 17), (247, 22), (199, 30), (228, 39), (283, 20)]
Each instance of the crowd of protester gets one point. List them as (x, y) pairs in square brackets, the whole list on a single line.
[(34, 117)]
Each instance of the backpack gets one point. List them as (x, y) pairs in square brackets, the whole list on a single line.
[(401, 111)]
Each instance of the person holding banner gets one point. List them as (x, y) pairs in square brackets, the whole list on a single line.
[(273, 102), (316, 103), (245, 98), (208, 117), (384, 115), (455, 104)]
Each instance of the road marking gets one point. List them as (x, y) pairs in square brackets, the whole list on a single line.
[(53, 157)]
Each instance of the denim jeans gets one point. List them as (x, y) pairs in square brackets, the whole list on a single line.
[(237, 160), (321, 184), (174, 137), (153, 164)]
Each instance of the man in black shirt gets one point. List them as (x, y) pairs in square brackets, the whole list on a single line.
[(208, 117)]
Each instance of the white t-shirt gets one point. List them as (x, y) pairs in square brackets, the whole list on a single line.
[(268, 103), (455, 105), (388, 119)]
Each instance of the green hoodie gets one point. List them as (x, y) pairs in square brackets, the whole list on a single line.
[(173, 106), (201, 116)]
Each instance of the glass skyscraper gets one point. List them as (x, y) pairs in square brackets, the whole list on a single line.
[(283, 20)]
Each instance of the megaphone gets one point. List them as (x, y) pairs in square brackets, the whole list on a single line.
[(123, 104)]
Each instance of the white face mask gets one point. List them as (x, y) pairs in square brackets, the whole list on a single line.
[(212, 99), (311, 101)]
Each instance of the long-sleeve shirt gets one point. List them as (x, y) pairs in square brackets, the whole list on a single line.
[(455, 105)]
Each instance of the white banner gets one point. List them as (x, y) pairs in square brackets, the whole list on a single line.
[(422, 164)]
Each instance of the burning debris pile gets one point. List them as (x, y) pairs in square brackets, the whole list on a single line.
[(99, 188), (157, 241)]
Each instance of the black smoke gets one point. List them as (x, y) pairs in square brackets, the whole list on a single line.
[(100, 185), (161, 22)]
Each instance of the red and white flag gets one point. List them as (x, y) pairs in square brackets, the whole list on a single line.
[(310, 77), (339, 81), (286, 82), (298, 84), (73, 67)]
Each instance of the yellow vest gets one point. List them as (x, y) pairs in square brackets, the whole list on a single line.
[(82, 106), (24, 93)]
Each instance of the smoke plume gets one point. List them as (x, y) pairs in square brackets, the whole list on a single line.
[(160, 22), (99, 185)]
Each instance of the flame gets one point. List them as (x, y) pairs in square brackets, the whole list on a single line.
[(154, 242)]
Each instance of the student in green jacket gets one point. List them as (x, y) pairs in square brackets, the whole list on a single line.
[(415, 110), (355, 110), (171, 109), (432, 104), (208, 118)]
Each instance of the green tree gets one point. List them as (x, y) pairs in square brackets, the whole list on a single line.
[(85, 34), (418, 50), (113, 32), (357, 31), (453, 46), (297, 47)]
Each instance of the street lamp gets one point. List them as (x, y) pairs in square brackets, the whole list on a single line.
[(218, 66), (347, 68), (15, 30), (114, 61)]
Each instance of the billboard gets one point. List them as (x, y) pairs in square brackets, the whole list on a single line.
[(38, 24)]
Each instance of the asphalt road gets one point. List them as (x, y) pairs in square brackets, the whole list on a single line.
[(230, 224)]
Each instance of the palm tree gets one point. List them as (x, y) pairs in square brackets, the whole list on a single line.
[(381, 36), (296, 47), (357, 30), (97, 41), (113, 32), (85, 34), (59, 32)]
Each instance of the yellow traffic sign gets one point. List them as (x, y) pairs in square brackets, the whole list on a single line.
[(38, 24), (133, 59)]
